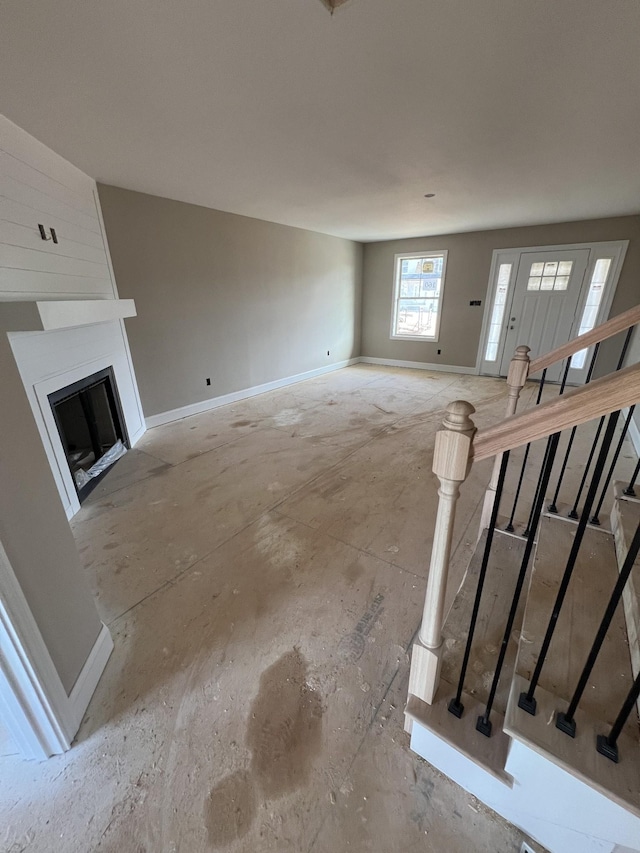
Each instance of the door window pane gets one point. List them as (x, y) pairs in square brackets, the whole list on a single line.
[(552, 275)]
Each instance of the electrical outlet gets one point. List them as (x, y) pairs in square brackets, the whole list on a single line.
[(327, 352), (439, 352), (208, 380)]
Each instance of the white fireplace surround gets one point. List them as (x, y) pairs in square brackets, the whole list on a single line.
[(50, 360)]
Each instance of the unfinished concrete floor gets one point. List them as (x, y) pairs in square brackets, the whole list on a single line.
[(262, 570)]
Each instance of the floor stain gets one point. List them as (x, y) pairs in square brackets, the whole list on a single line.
[(284, 736), (230, 809), (285, 726)]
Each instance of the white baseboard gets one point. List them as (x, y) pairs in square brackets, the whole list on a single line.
[(87, 681), (418, 365), (236, 396)]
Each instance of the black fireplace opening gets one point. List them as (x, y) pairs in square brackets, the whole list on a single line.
[(92, 429)]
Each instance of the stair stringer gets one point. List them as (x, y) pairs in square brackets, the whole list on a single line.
[(545, 802)]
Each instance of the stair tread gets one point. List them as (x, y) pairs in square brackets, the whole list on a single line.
[(578, 756), (593, 579), (490, 753), (506, 554)]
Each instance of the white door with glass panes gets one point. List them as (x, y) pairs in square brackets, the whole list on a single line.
[(545, 299)]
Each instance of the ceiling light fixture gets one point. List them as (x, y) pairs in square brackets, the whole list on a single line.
[(332, 5)]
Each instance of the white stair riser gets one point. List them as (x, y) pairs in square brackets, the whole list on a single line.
[(546, 802)]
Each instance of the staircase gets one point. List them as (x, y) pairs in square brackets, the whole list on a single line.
[(526, 695)]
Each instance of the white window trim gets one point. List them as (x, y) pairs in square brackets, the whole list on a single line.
[(430, 253)]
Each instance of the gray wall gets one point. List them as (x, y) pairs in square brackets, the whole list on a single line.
[(36, 535), (467, 278), (239, 300)]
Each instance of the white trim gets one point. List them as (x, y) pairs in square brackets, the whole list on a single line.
[(634, 432), (135, 437), (89, 677), (418, 365), (33, 701), (41, 718), (236, 396), (134, 382), (401, 256)]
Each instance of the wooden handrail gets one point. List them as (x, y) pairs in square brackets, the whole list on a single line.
[(612, 392), (600, 333)]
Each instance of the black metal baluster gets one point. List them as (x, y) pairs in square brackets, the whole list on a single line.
[(538, 486), (596, 516), (573, 513), (527, 700), (483, 724), (564, 376), (630, 490), (565, 721), (553, 505), (625, 347), (455, 705), (607, 745), (560, 393), (509, 527)]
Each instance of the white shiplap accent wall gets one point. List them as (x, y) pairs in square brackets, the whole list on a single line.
[(39, 186)]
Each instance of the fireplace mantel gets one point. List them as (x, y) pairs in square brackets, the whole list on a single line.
[(49, 315)]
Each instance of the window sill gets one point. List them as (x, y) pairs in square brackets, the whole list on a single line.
[(418, 338)]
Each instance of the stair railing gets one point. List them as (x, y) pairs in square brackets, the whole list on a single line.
[(457, 446), (521, 368)]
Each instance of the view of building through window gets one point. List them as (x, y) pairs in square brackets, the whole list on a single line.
[(418, 295)]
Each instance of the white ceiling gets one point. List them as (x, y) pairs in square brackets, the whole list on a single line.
[(511, 111)]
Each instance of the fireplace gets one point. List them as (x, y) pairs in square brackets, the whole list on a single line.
[(88, 415)]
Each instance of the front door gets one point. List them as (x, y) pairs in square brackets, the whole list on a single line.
[(544, 304)]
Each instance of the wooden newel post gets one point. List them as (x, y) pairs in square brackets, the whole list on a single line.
[(452, 459), (516, 379)]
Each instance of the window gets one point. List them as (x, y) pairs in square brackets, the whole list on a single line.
[(497, 314), (591, 306), (417, 295), (554, 275)]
